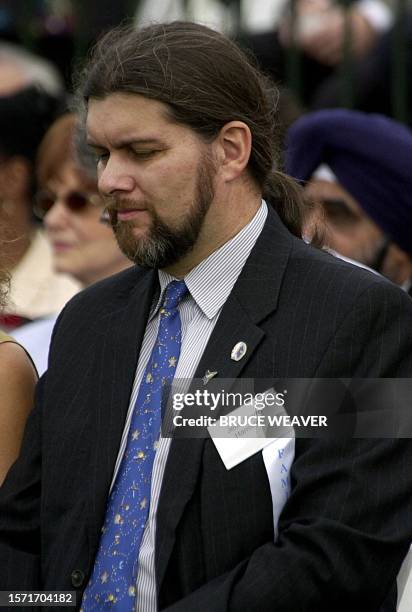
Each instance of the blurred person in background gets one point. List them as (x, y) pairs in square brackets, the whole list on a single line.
[(83, 244), (319, 31), (357, 167), (380, 77), (17, 381), (30, 97)]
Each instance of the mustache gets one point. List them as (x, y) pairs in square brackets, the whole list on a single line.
[(112, 206)]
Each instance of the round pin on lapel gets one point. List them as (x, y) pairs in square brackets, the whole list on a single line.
[(238, 351)]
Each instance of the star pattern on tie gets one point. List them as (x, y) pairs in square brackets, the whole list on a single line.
[(112, 585)]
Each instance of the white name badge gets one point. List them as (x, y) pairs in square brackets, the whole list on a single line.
[(234, 451), (244, 437)]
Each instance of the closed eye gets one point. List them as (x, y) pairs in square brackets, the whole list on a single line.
[(143, 154)]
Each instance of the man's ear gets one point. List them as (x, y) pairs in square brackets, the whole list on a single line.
[(234, 147)]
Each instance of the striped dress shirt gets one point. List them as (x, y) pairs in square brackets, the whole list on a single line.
[(209, 284)]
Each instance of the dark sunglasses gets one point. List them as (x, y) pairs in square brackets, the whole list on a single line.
[(75, 201)]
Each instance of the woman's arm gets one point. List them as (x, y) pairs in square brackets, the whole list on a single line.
[(17, 382)]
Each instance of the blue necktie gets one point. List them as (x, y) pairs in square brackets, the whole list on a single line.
[(112, 585)]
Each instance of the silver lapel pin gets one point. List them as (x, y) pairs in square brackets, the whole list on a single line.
[(238, 351), (208, 376)]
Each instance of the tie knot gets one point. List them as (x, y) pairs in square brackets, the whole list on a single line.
[(175, 291)]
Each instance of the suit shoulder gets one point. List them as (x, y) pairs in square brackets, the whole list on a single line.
[(326, 276), (99, 300), (354, 320), (330, 290), (107, 290)]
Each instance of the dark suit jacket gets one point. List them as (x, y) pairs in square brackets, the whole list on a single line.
[(347, 524)]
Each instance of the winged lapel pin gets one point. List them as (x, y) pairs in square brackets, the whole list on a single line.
[(208, 376)]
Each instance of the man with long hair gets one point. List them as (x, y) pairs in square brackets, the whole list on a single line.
[(104, 501)]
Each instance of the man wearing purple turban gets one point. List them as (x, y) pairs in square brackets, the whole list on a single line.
[(358, 169)]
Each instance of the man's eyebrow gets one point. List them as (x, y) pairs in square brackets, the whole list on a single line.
[(126, 142)]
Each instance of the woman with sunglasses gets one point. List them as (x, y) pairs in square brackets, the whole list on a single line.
[(83, 244), (17, 380)]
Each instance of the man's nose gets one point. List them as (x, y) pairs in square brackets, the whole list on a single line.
[(113, 178)]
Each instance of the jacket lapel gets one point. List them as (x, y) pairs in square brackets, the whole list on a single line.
[(254, 296)]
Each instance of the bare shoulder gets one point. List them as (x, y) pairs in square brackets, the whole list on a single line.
[(15, 367), (17, 383)]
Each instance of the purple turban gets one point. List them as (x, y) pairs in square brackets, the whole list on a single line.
[(370, 155)]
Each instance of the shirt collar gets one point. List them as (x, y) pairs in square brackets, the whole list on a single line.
[(407, 285), (212, 280)]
